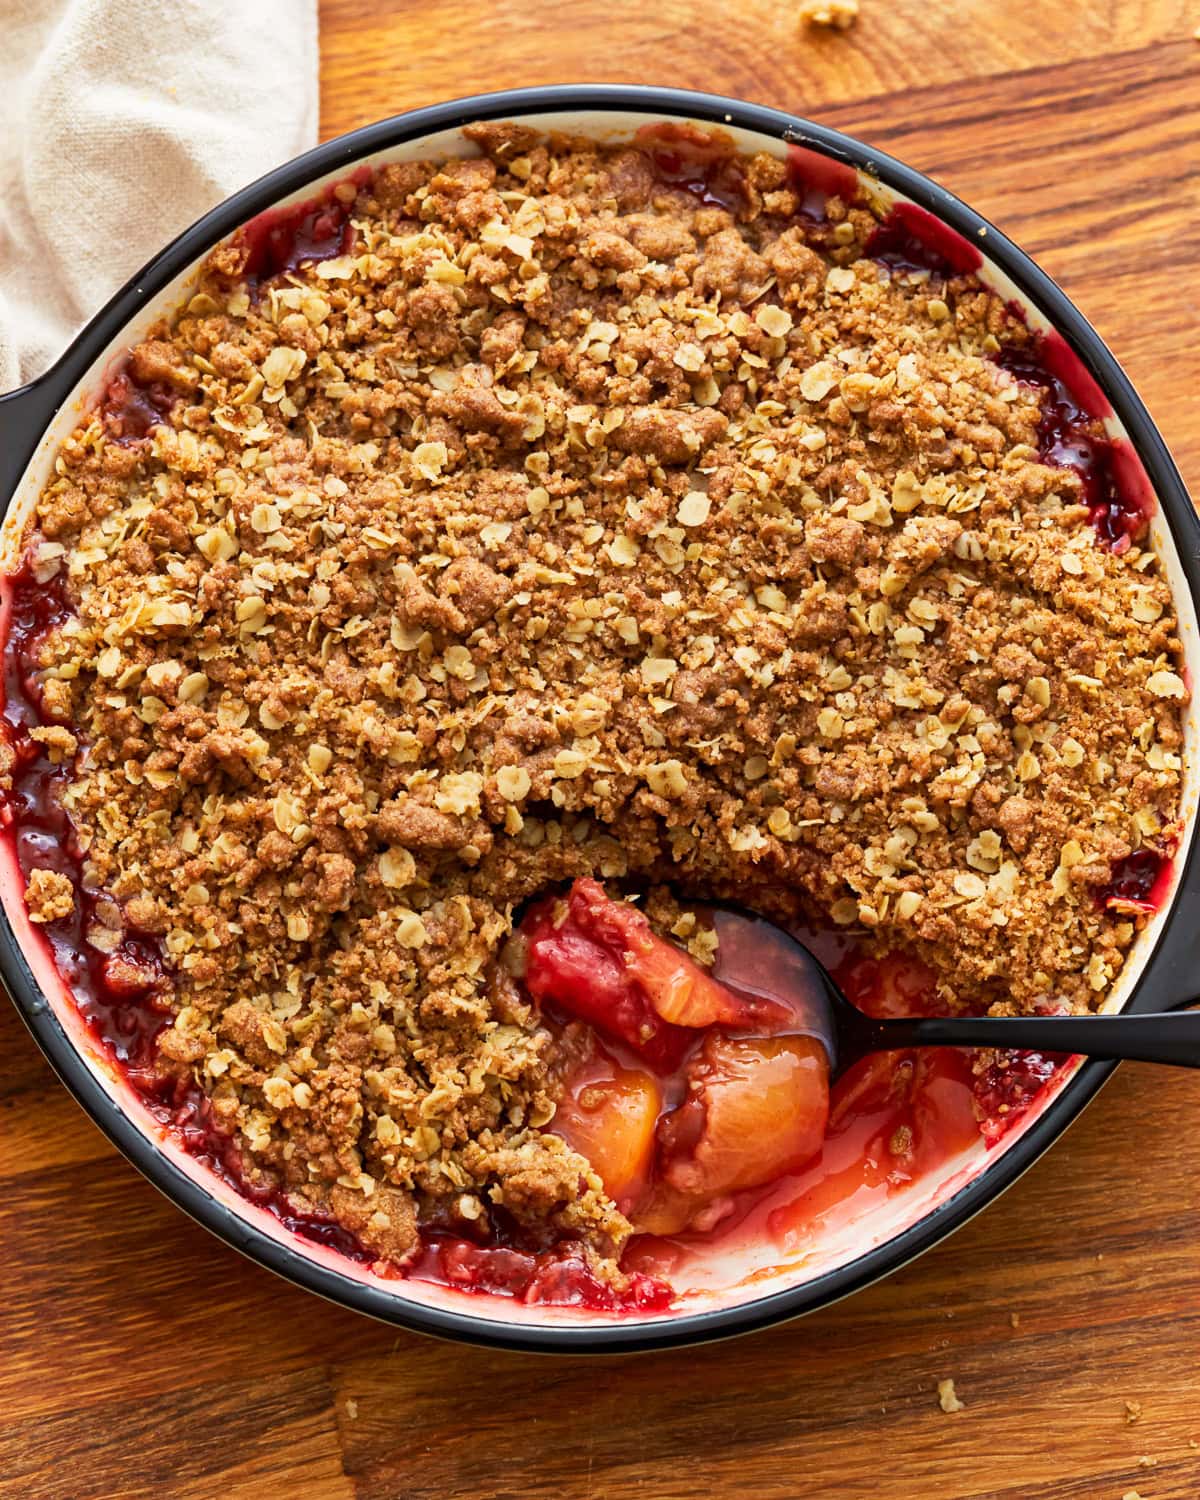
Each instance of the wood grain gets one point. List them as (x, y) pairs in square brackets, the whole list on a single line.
[(139, 1357), (383, 56)]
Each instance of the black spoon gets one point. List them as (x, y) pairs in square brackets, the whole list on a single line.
[(759, 958)]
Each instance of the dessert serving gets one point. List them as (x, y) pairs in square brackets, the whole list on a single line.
[(492, 564)]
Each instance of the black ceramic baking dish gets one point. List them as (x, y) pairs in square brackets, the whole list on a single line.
[(1159, 974)]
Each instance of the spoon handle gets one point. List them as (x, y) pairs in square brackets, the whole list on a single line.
[(1172, 1037)]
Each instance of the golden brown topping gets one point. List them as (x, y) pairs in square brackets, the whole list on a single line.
[(568, 524)]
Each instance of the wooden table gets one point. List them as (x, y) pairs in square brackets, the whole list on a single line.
[(140, 1357)]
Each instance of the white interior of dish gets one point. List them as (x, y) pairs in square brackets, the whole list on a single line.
[(738, 1273)]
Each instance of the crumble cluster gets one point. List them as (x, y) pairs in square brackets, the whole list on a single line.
[(570, 524)]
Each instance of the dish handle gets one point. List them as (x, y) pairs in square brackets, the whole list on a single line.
[(1171, 979), (24, 416)]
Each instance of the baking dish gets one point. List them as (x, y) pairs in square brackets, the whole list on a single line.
[(742, 1290)]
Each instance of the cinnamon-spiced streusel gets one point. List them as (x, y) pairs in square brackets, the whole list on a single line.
[(564, 511)]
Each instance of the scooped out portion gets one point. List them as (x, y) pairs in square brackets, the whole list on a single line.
[(686, 1092)]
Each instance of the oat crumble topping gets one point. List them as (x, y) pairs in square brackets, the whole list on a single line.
[(571, 524)]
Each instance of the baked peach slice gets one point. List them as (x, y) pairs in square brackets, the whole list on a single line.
[(608, 1113), (601, 961), (756, 1110), (682, 992)]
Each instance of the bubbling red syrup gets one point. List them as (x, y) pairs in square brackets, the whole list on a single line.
[(186, 1113), (1139, 882), (1069, 437), (36, 609), (912, 239), (815, 179), (119, 993), (709, 168), (703, 165), (1008, 1085), (130, 408), (559, 1278), (283, 239)]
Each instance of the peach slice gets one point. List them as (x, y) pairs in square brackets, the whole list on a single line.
[(683, 993), (602, 962), (574, 956), (756, 1110), (608, 1114)]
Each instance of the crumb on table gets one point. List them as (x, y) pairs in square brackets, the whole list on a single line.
[(836, 15), (49, 896), (948, 1397)]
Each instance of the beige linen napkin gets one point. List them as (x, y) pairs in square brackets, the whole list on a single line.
[(121, 121)]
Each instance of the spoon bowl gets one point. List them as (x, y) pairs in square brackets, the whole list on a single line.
[(759, 958)]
